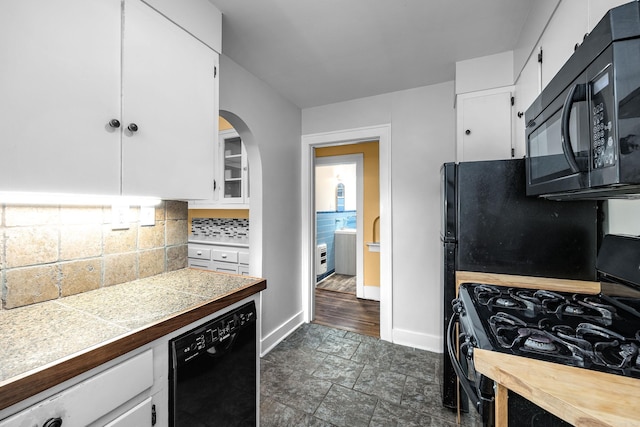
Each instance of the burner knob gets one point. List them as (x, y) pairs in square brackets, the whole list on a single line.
[(458, 307), (467, 347)]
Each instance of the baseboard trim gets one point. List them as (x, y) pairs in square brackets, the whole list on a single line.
[(274, 338), (417, 340), (372, 292)]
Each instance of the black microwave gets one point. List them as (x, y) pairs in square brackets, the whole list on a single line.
[(583, 130)]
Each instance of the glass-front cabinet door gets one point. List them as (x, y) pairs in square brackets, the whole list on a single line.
[(235, 169)]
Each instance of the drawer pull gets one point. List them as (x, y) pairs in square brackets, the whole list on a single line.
[(199, 253), (53, 422), (224, 255)]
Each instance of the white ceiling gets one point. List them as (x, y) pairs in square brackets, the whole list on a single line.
[(317, 52)]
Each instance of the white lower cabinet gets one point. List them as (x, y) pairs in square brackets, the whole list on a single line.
[(225, 259), (130, 391), (139, 415), (120, 394)]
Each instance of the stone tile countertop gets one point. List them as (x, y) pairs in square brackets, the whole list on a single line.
[(47, 343)]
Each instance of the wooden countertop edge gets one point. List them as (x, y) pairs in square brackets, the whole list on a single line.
[(33, 382), (531, 282), (579, 396)]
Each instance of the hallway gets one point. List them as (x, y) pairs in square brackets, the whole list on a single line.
[(345, 311)]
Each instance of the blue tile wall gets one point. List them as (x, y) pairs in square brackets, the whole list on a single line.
[(326, 223)]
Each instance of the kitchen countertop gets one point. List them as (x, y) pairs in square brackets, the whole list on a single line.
[(47, 343), (578, 396)]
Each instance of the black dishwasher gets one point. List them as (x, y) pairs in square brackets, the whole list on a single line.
[(212, 373)]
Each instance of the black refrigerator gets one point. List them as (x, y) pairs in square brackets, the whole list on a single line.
[(489, 225)]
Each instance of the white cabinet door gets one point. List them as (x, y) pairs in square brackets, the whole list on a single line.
[(86, 402), (233, 168), (567, 26), (484, 126), (527, 90), (59, 87), (169, 94), (231, 175), (63, 81), (598, 8)]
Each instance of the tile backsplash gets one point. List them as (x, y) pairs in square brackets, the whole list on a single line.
[(48, 252), (220, 228)]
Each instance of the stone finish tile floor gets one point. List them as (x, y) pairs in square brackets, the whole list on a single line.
[(324, 377)]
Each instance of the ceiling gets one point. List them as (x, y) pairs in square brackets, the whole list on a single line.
[(317, 52)]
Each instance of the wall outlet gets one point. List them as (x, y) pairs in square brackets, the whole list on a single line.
[(120, 217), (147, 215)]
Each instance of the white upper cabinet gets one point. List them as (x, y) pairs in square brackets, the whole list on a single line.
[(231, 185), (484, 125), (567, 27), (234, 178), (201, 19), (60, 86), (598, 8), (571, 21), (169, 93), (526, 91), (483, 107), (71, 69)]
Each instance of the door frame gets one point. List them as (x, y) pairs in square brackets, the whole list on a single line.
[(358, 160), (382, 134)]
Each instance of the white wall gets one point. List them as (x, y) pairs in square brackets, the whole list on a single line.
[(486, 72), (423, 137), (273, 147), (327, 179), (622, 217)]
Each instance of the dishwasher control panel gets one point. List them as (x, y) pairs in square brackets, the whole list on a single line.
[(212, 337)]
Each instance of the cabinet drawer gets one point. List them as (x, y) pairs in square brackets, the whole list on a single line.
[(138, 416), (225, 267), (199, 253), (224, 256), (243, 258), (93, 398), (197, 263)]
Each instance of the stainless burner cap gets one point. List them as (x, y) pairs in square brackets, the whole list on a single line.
[(540, 343), (505, 302), (572, 309)]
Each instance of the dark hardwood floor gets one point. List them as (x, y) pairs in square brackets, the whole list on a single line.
[(344, 311), (339, 282)]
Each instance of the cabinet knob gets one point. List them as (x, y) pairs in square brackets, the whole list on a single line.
[(52, 422), (520, 114), (467, 132), (132, 127), (114, 123)]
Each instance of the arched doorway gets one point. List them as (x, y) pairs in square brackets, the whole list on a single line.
[(255, 203)]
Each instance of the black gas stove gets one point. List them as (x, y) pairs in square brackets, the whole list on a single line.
[(586, 331), (597, 332)]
